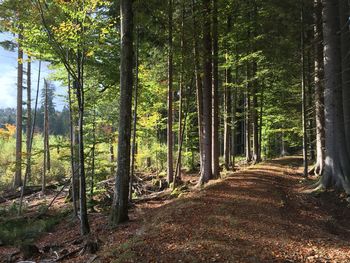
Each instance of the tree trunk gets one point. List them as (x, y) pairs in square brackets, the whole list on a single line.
[(46, 138), (18, 171), (337, 161), (215, 94), (93, 154), (29, 117), (181, 81), (75, 178), (84, 222), (199, 89), (256, 158), (228, 127), (248, 155), (255, 122), (121, 194), (133, 147), (234, 118), (310, 107), (319, 88), (228, 118), (261, 120), (207, 98), (170, 169), (304, 121), (345, 51)]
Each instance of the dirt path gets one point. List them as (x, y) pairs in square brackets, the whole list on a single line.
[(257, 215)]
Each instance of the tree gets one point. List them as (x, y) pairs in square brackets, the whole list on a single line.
[(303, 87), (215, 93), (319, 88), (121, 192), (29, 117), (206, 174), (19, 113), (337, 161), (170, 169)]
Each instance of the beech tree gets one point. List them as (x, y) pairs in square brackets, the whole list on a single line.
[(119, 212), (337, 162)]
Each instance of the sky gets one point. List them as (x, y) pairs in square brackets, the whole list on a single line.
[(8, 78)]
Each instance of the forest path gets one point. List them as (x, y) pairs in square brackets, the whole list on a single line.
[(255, 215)]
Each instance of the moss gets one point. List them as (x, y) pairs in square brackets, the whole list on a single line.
[(22, 230)]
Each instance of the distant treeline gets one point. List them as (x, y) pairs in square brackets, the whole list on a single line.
[(59, 120)]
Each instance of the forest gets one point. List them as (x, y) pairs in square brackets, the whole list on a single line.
[(191, 131)]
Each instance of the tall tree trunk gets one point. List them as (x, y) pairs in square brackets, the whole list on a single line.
[(261, 119), (345, 53), (181, 81), (121, 194), (228, 105), (215, 94), (29, 117), (170, 169), (84, 222), (93, 155), (228, 117), (234, 118), (319, 88), (46, 138), (133, 147), (199, 88), (255, 122), (75, 179), (248, 154), (303, 87), (337, 161), (310, 106), (254, 111), (18, 171), (206, 174)]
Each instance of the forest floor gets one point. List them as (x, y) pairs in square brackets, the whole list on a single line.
[(258, 214)]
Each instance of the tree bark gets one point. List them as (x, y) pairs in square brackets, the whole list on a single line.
[(121, 194), (228, 118), (133, 147), (199, 88), (256, 157), (337, 161), (345, 53), (319, 88), (29, 117), (206, 174), (74, 169), (18, 171), (303, 87), (255, 122), (46, 138), (247, 112), (170, 168), (181, 81), (215, 94)]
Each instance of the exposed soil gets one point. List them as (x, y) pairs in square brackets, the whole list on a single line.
[(260, 214)]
